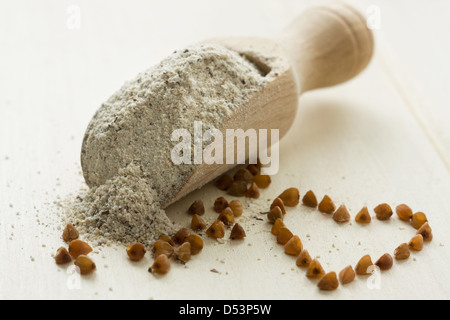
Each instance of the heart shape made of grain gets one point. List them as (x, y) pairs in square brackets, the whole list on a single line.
[(294, 246)]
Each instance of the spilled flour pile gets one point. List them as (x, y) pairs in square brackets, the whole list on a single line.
[(124, 209), (126, 153)]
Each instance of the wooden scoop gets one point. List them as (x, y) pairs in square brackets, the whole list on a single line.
[(325, 46)]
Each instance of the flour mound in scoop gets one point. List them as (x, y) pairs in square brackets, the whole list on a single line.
[(126, 153)]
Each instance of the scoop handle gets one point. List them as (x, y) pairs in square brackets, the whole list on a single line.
[(327, 45)]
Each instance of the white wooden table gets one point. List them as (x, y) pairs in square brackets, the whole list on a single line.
[(382, 137)]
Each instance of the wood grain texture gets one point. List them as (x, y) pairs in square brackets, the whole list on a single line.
[(328, 45), (358, 142), (417, 62)]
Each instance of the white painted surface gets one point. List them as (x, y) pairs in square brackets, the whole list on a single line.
[(366, 142)]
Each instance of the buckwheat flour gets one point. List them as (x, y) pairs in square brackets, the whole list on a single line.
[(126, 153)]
